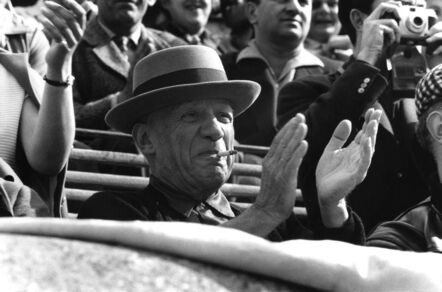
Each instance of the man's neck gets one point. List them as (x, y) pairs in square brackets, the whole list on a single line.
[(120, 30), (276, 55)]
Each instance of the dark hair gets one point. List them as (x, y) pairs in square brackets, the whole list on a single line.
[(345, 6)]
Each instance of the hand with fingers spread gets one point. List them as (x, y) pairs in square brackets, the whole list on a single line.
[(379, 33), (280, 170), (340, 170), (64, 22)]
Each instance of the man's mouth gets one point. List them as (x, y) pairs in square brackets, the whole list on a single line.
[(324, 21), (193, 5)]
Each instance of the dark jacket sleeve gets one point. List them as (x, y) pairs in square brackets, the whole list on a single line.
[(325, 101), (352, 231), (397, 235)]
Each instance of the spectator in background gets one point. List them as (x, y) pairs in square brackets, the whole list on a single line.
[(187, 19), (113, 41), (419, 228), (37, 120), (20, 36), (184, 127), (393, 183), (323, 38), (241, 31), (273, 58), (437, 6), (435, 59)]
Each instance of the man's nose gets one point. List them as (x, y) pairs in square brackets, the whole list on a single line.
[(212, 129), (323, 6), (293, 5)]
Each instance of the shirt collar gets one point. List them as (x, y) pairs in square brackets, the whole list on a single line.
[(134, 37), (184, 204), (303, 59)]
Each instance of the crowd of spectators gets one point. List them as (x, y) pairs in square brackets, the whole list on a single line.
[(310, 79)]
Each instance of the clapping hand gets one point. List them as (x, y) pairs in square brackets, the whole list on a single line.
[(340, 170), (280, 171), (64, 22)]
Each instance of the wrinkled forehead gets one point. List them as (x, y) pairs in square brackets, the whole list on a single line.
[(206, 104), (168, 113)]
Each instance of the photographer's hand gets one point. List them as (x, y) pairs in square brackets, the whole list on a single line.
[(379, 33), (434, 45)]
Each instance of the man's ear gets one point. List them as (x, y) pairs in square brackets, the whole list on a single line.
[(251, 11), (143, 139), (357, 18), (434, 125)]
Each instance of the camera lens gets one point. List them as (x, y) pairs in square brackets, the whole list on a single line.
[(418, 21)]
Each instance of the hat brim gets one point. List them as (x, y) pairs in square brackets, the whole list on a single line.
[(239, 93)]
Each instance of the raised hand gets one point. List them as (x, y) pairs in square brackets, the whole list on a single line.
[(379, 33), (280, 170), (340, 170), (64, 22)]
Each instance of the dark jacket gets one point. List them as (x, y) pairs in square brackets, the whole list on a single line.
[(257, 126), (392, 184), (151, 205), (417, 228)]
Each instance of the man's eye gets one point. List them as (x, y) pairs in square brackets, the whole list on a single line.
[(304, 2), (225, 118), (189, 116)]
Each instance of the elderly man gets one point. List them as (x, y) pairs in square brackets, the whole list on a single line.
[(274, 57), (181, 119), (393, 184), (419, 228), (187, 19)]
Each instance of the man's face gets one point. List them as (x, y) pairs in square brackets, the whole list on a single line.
[(189, 15), (437, 6), (115, 13), (187, 142), (325, 21), (288, 19)]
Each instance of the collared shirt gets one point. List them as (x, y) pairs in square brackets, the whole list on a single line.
[(303, 59), (185, 205), (133, 38)]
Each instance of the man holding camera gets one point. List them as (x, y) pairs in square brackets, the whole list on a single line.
[(365, 81)]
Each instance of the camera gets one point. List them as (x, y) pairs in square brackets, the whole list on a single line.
[(414, 21)]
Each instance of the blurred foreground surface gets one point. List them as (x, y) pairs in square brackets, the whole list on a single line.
[(37, 263)]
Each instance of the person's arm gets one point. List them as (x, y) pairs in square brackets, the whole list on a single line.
[(47, 133)]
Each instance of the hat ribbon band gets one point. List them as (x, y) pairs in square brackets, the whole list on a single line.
[(181, 77)]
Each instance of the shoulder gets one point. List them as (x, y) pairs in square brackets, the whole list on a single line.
[(312, 85), (407, 232), (162, 38), (112, 205)]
